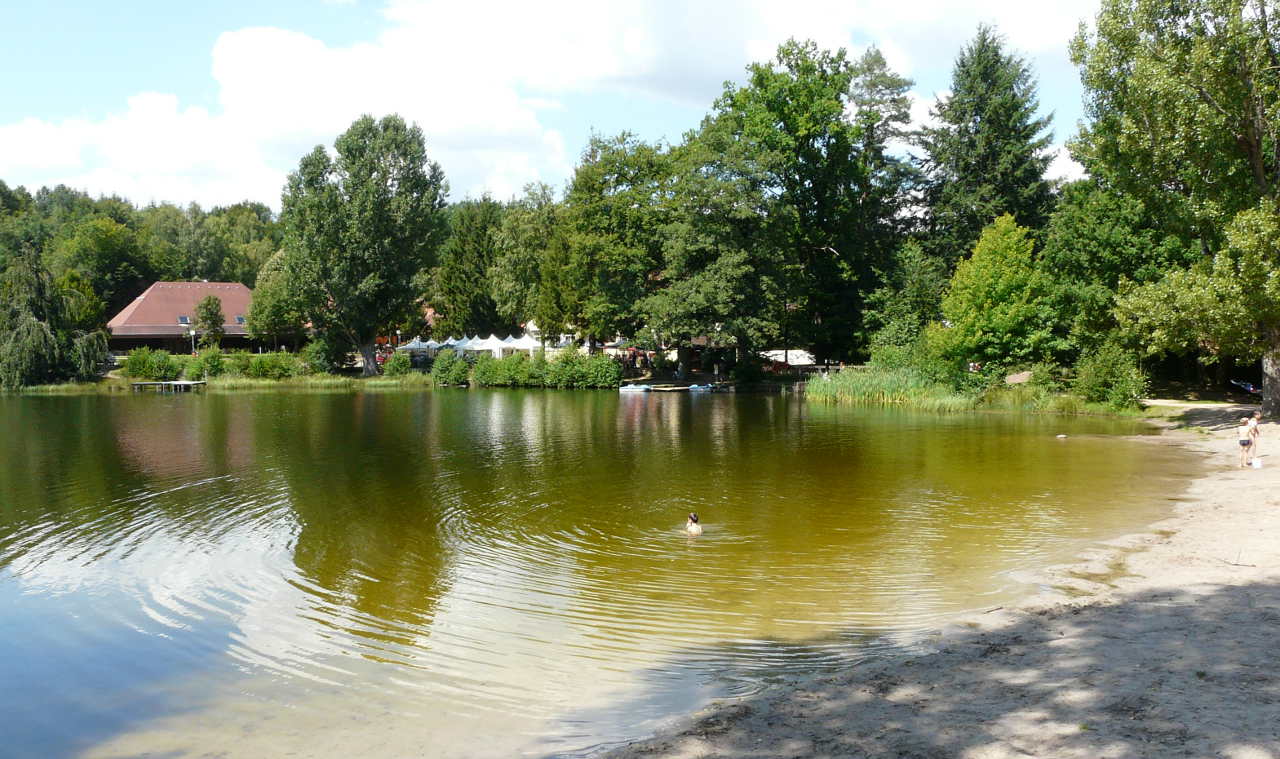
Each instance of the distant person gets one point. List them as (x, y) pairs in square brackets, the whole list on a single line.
[(692, 527), (1245, 433), (1254, 432)]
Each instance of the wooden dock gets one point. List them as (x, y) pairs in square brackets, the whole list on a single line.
[(175, 386)]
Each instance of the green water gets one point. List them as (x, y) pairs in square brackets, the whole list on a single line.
[(499, 573)]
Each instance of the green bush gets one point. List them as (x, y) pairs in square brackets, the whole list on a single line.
[(514, 372), (926, 359), (567, 370), (890, 356), (153, 365), (397, 364), (207, 364), (275, 366), (237, 363), (603, 371), (538, 371), (1048, 376), (450, 369), (323, 355), (487, 372), (1110, 375)]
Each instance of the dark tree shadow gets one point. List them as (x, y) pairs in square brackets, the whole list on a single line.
[(1213, 417), (1162, 673)]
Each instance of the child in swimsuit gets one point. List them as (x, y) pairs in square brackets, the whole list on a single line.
[(1246, 440)]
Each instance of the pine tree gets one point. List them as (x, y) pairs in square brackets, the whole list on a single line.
[(461, 291), (987, 156)]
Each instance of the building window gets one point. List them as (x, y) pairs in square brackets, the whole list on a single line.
[(184, 320)]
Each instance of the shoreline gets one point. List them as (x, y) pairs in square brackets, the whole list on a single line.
[(1157, 643)]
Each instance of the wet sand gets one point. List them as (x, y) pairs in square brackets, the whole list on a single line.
[(1157, 644)]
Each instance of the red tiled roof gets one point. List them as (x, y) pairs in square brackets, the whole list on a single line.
[(156, 312)]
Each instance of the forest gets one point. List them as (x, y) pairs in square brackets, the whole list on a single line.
[(804, 211)]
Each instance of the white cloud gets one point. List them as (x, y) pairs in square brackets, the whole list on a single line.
[(482, 79), (1064, 167)]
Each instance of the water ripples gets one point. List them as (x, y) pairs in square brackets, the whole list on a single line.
[(458, 564)]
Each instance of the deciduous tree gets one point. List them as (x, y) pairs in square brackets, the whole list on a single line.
[(998, 308), (359, 225), (210, 321), (1183, 102)]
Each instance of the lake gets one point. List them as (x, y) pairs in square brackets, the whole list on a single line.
[(499, 573)]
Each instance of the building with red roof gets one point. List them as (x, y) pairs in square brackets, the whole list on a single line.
[(164, 315)]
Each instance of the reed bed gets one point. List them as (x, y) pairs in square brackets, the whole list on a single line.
[(911, 388)]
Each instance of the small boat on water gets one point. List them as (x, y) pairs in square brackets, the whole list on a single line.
[(635, 388)]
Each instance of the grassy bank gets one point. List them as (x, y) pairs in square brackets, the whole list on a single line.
[(911, 388), (311, 382)]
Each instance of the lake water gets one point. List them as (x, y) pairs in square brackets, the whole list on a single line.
[(493, 573)]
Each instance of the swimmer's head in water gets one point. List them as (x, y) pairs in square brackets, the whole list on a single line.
[(693, 517)]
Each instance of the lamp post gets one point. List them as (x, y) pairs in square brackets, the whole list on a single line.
[(192, 334), (397, 338)]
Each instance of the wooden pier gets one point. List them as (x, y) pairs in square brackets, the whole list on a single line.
[(175, 386)]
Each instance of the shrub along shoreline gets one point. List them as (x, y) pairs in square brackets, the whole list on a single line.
[(911, 387), (1107, 385), (314, 370)]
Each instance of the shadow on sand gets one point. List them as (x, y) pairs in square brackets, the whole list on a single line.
[(1216, 418), (1157, 674)]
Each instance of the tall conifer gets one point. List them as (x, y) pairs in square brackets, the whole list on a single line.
[(987, 154)]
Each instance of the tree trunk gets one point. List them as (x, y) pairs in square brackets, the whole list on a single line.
[(1271, 381), (367, 351)]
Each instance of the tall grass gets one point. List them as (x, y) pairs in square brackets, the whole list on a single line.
[(907, 387), (888, 387), (327, 382), (103, 387)]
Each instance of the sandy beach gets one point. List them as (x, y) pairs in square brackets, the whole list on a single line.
[(1158, 644)]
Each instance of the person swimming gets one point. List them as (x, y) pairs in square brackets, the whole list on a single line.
[(692, 527)]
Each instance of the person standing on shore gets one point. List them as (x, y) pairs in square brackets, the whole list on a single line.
[(1245, 433)]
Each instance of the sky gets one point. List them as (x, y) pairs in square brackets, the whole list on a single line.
[(216, 102)]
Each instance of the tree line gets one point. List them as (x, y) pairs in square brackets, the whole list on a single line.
[(803, 211), (69, 262)]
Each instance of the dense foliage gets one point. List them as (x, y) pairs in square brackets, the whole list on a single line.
[(42, 338), (568, 369), (802, 212), (70, 262), (359, 226), (210, 321), (1184, 115), (988, 153), (147, 364)]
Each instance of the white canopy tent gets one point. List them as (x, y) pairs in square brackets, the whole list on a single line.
[(492, 345), (524, 343), (414, 346), (791, 357)]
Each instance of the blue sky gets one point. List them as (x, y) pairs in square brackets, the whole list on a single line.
[(216, 102)]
